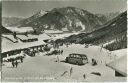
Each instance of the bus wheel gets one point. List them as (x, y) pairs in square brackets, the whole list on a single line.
[(77, 63)]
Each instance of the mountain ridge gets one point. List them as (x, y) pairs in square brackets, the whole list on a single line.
[(74, 19), (115, 30)]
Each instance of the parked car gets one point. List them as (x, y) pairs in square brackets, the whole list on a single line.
[(78, 59)]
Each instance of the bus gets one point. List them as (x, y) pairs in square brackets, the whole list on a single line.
[(78, 59)]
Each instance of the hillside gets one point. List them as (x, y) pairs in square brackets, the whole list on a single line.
[(10, 21), (4, 30), (108, 16), (26, 21), (112, 35), (67, 18)]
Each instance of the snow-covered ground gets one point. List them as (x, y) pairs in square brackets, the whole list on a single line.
[(45, 68), (120, 53), (62, 36)]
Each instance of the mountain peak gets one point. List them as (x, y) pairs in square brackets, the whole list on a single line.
[(74, 19), (41, 13), (70, 7)]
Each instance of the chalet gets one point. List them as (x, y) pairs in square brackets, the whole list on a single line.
[(11, 49), (29, 44)]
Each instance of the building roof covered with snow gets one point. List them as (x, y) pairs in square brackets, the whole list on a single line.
[(21, 29), (24, 37), (8, 45), (27, 38), (119, 65), (43, 36), (10, 37)]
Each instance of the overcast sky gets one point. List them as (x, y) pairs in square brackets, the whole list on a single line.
[(27, 8)]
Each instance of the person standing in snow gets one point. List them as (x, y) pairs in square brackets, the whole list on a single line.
[(16, 63), (61, 52), (101, 48), (13, 64), (21, 59), (58, 52), (71, 71), (84, 76), (57, 59)]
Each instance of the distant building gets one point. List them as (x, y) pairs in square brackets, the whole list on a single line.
[(65, 29), (27, 38), (43, 37), (53, 31)]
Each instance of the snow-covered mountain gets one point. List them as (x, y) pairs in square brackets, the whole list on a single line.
[(70, 18), (112, 35)]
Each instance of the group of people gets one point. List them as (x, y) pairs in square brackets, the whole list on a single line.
[(15, 62), (60, 52), (55, 52)]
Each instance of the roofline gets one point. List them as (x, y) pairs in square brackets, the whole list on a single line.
[(21, 49), (78, 54), (123, 73)]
